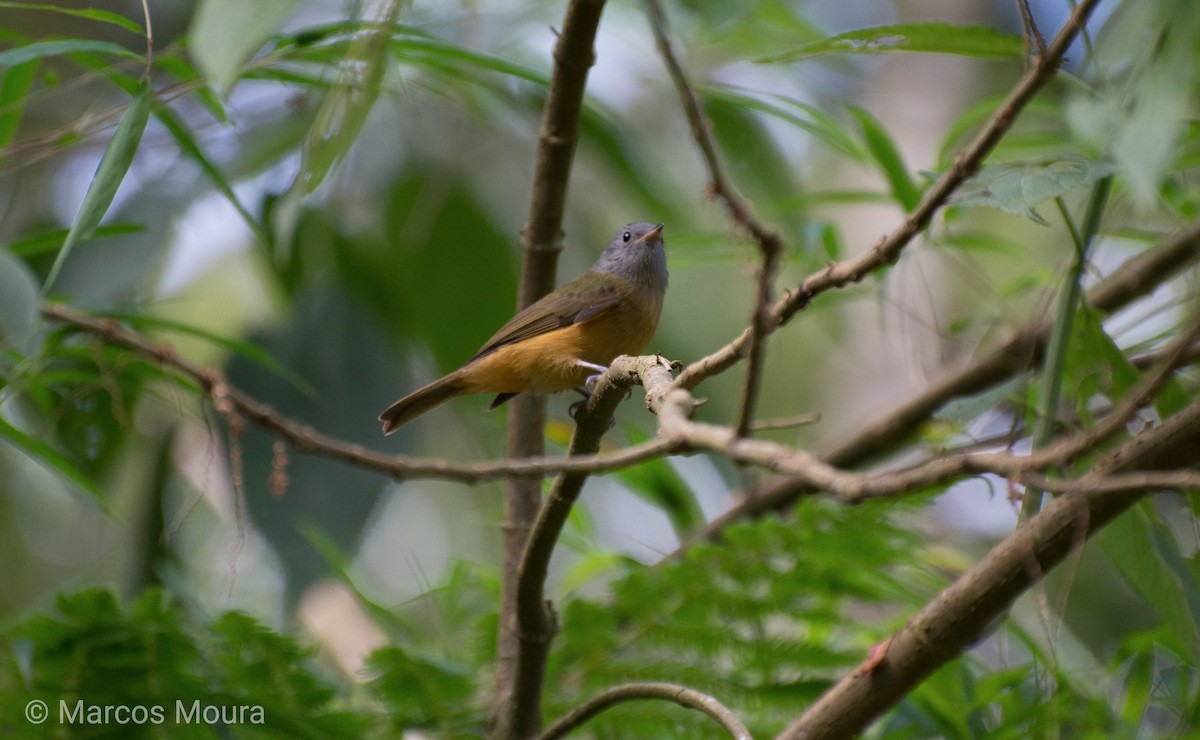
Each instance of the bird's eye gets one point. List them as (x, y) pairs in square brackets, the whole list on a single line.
[(626, 236)]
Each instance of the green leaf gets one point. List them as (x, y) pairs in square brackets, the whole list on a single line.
[(345, 107), (249, 350), (118, 155), (1131, 543), (57, 47), (822, 126), (183, 71), (934, 37), (961, 411), (50, 458), (51, 241), (1019, 186), (93, 14), (883, 150), (14, 89), (226, 33)]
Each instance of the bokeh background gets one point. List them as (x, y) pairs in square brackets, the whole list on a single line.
[(406, 259)]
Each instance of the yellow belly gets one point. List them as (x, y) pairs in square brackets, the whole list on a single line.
[(549, 363)]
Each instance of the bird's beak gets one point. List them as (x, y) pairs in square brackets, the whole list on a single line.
[(651, 234)]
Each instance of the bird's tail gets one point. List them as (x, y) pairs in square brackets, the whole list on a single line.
[(419, 401)]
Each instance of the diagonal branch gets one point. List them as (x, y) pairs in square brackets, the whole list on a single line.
[(963, 612), (887, 250)]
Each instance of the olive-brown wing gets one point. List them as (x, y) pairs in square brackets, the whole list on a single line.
[(557, 310)]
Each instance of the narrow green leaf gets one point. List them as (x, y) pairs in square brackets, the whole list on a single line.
[(182, 70), (825, 128), (114, 163), (51, 241), (933, 37), (424, 50), (14, 89), (226, 33), (51, 458), (345, 107), (57, 47), (1130, 544), (93, 14), (1018, 187), (249, 350), (883, 150)]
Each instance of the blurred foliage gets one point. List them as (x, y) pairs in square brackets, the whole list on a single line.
[(327, 206)]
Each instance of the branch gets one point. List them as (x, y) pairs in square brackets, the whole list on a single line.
[(678, 433), (770, 246), (681, 695), (514, 713), (962, 613), (887, 250)]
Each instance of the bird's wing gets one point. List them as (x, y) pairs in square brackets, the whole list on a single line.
[(559, 309)]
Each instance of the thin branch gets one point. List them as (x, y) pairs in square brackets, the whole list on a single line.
[(887, 250), (678, 433), (962, 613), (681, 695), (1034, 43), (770, 247)]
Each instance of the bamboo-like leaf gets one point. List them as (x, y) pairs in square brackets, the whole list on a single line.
[(821, 125), (933, 37), (249, 350), (183, 71), (14, 89), (92, 14), (1134, 543), (345, 107), (109, 173), (51, 458), (883, 150), (39, 49), (51, 241)]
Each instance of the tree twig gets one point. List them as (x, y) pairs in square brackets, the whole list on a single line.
[(770, 246), (681, 695), (887, 250), (678, 433)]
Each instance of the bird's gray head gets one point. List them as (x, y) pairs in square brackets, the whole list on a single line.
[(637, 253)]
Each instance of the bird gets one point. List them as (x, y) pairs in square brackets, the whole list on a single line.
[(567, 338)]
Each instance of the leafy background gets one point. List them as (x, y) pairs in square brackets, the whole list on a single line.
[(332, 216)]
